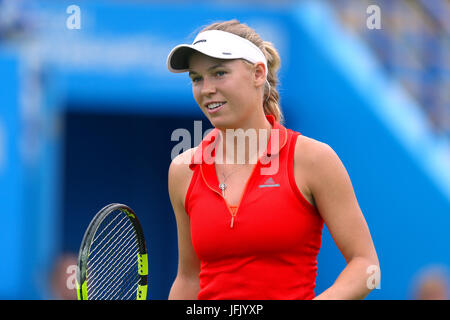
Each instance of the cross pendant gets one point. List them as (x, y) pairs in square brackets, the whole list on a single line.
[(222, 187)]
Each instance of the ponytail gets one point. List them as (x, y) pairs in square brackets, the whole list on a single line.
[(271, 95)]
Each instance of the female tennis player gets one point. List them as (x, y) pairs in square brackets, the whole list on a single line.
[(251, 228)]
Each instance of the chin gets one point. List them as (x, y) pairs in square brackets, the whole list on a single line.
[(218, 124), (224, 121), (217, 121), (222, 124)]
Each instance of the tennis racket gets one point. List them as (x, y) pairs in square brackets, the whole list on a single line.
[(112, 262)]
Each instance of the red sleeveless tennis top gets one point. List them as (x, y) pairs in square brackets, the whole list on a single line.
[(265, 248)]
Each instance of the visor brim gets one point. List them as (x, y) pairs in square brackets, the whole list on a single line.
[(178, 59)]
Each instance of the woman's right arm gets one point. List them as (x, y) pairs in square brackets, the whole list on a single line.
[(186, 284)]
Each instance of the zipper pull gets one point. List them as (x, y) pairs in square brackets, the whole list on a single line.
[(233, 211), (233, 214)]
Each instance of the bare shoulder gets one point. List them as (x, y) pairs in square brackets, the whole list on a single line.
[(313, 162), (320, 166), (180, 174), (181, 162), (312, 153)]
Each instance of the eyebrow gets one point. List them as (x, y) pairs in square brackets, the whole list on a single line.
[(219, 65)]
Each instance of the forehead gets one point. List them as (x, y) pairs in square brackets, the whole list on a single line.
[(199, 62)]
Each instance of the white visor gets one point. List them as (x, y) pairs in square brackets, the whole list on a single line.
[(216, 44)]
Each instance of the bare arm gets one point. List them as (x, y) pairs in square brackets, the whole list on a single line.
[(331, 188), (186, 284)]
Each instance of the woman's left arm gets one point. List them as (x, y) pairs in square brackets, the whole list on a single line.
[(334, 197)]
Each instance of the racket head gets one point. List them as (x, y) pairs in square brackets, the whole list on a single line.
[(97, 254)]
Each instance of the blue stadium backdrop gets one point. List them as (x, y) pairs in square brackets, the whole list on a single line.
[(86, 118)]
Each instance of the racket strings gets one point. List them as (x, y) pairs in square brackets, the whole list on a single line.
[(107, 251), (97, 245), (112, 271), (114, 262), (112, 277), (116, 272)]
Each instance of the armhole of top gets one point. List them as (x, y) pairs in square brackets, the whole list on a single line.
[(189, 190), (291, 175)]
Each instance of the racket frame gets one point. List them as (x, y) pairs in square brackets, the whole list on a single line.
[(83, 255)]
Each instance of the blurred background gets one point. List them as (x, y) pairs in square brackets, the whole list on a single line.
[(88, 107)]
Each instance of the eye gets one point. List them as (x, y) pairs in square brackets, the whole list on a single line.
[(220, 73), (196, 79)]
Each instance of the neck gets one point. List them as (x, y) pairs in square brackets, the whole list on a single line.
[(243, 145)]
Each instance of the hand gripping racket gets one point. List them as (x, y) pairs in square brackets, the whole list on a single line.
[(112, 262)]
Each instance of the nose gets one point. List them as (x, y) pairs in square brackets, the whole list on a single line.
[(208, 87)]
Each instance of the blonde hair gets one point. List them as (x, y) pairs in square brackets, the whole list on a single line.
[(271, 95)]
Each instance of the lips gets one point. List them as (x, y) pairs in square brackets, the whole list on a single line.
[(214, 106)]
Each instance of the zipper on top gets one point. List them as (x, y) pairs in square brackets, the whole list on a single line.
[(233, 212)]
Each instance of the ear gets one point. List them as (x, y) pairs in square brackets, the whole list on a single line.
[(260, 74)]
